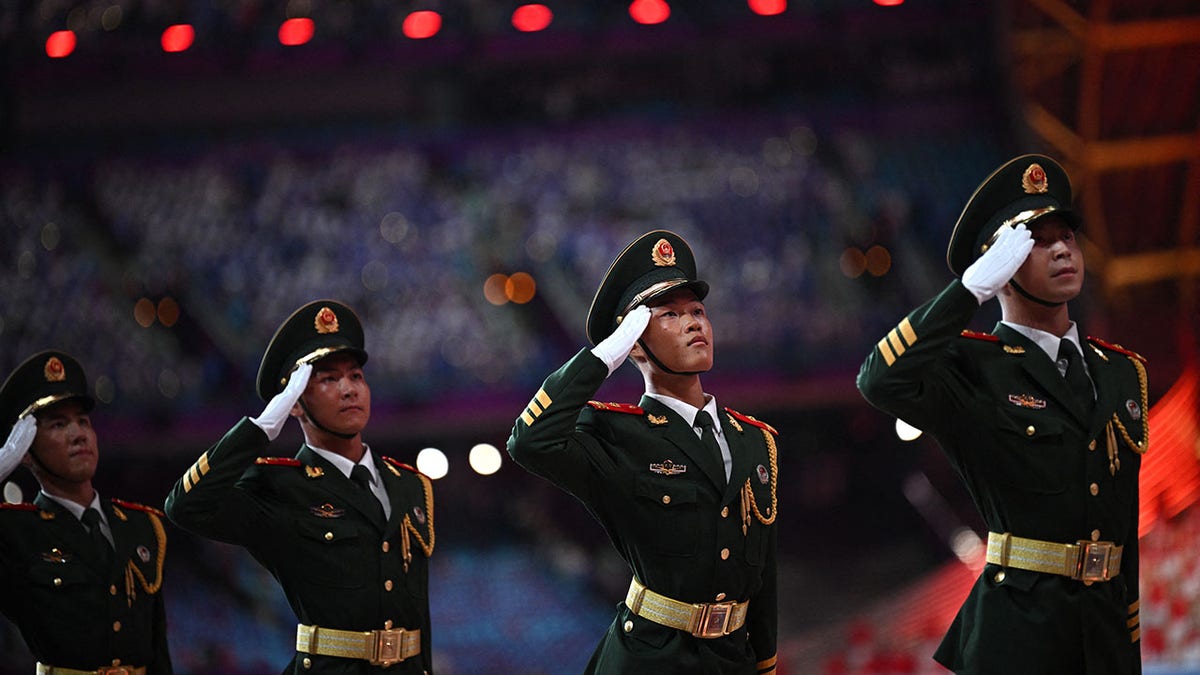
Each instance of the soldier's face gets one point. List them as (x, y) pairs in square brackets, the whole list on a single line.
[(337, 394), (679, 333), (1054, 269), (65, 443)]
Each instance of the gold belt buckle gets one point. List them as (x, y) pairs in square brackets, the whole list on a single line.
[(1093, 560), (714, 620), (388, 647)]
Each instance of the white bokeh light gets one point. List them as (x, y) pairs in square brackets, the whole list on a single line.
[(485, 459), (433, 463)]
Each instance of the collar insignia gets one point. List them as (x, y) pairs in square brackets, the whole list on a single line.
[(656, 419), (663, 254), (668, 468), (1013, 349), (313, 471), (326, 510), (1026, 401), (733, 422)]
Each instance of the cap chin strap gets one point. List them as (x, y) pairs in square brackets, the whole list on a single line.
[(1032, 298), (662, 366), (320, 426)]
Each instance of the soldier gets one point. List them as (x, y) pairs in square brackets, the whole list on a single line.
[(81, 577), (346, 532), (1045, 429), (685, 490)]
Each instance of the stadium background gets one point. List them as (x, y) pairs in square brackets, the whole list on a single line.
[(167, 197)]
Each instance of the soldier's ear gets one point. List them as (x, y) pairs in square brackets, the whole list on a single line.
[(637, 353), (296, 411)]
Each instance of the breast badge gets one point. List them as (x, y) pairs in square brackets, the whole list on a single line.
[(668, 468), (143, 553), (1135, 411), (420, 514), (1027, 401), (326, 510), (763, 476)]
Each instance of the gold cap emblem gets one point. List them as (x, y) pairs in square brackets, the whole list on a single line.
[(1034, 180), (664, 254), (326, 321), (54, 370)]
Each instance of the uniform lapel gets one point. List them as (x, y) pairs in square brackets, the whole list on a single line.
[(1108, 394), (742, 450), (77, 541), (391, 483), (337, 484), (1042, 369), (681, 434), (123, 539)]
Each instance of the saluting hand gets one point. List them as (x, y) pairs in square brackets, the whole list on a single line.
[(987, 275), (276, 413), (19, 440), (613, 349)]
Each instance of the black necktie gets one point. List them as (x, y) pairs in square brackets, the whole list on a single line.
[(1077, 379), (704, 422), (361, 476), (91, 520)]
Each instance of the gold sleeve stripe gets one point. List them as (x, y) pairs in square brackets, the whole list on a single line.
[(906, 329), (884, 349), (894, 339), (195, 474), (535, 408), (543, 398), (767, 663), (1133, 608), (203, 463), (527, 418), (1133, 621), (1135, 635), (187, 482)]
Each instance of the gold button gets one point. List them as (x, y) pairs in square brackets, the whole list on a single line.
[(1092, 445), (1095, 535), (1029, 430), (387, 625), (628, 626), (387, 585), (328, 536), (724, 554), (112, 590), (1094, 489), (116, 626), (666, 499), (999, 577), (307, 663), (1141, 445), (57, 581), (386, 546), (725, 512), (720, 597)]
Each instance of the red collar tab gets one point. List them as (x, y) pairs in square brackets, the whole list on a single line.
[(987, 337), (750, 420), (278, 461), (627, 408), (1116, 348)]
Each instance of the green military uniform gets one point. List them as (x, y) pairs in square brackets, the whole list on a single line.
[(340, 564), (77, 606), (1039, 465), (662, 497)]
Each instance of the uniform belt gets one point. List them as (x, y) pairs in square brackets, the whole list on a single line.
[(1086, 561), (379, 647), (43, 669), (701, 619)]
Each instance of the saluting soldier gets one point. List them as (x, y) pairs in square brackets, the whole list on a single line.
[(81, 577), (685, 490), (1045, 428), (347, 533)]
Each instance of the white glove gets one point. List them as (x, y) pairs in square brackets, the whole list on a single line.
[(17, 444), (613, 349), (278, 408), (987, 275)]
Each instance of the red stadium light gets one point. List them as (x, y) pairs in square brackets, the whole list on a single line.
[(178, 38), (422, 24), (648, 12), (531, 18), (60, 44), (767, 7), (294, 32), (889, 3)]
